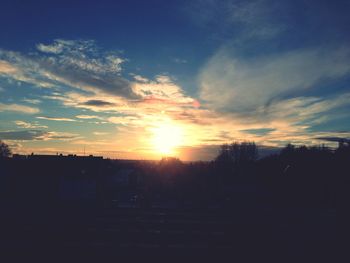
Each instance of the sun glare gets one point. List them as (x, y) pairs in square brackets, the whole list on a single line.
[(166, 137)]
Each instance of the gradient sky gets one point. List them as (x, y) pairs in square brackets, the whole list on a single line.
[(119, 77)]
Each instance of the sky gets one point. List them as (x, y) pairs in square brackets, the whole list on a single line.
[(146, 79)]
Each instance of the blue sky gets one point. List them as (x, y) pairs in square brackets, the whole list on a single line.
[(120, 77)]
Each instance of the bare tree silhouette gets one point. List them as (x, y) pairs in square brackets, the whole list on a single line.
[(5, 150), (237, 153)]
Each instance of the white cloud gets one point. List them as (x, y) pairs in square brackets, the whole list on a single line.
[(17, 67), (127, 120), (163, 88), (180, 60), (78, 64), (55, 48), (114, 62), (6, 67), (28, 125), (86, 117), (63, 136), (83, 55), (18, 108), (100, 133), (55, 118), (239, 94), (32, 101), (236, 84), (140, 78)]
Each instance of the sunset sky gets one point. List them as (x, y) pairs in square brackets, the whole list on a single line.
[(144, 79)]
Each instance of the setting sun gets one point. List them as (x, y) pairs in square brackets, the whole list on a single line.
[(166, 137)]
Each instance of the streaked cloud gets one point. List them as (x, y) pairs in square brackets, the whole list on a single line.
[(65, 136), (18, 108), (7, 68), (335, 139), (32, 101), (163, 89), (37, 135), (87, 101), (260, 132), (100, 133), (140, 78), (28, 125), (257, 19), (84, 55), (75, 63), (22, 135), (228, 82), (257, 97), (180, 60), (79, 65), (98, 103), (87, 117), (55, 48), (55, 118), (135, 120)]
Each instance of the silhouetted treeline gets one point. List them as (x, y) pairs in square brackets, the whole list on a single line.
[(283, 202), (304, 176), (5, 150), (296, 176)]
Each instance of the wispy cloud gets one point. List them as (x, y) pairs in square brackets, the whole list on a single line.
[(257, 18), (140, 78), (93, 102), (57, 47), (28, 125), (55, 118), (87, 117), (64, 136), (98, 103), (37, 135), (180, 60), (7, 68), (100, 133), (335, 139), (244, 20), (22, 135), (259, 132), (20, 68), (241, 98), (235, 84), (32, 101), (155, 97), (163, 89), (81, 66), (18, 108), (75, 63), (84, 55)]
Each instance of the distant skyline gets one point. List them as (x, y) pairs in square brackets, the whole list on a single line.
[(144, 79)]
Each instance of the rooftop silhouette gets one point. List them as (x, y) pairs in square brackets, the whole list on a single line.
[(286, 200)]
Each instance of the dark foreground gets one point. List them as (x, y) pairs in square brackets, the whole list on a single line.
[(288, 235), (281, 208)]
